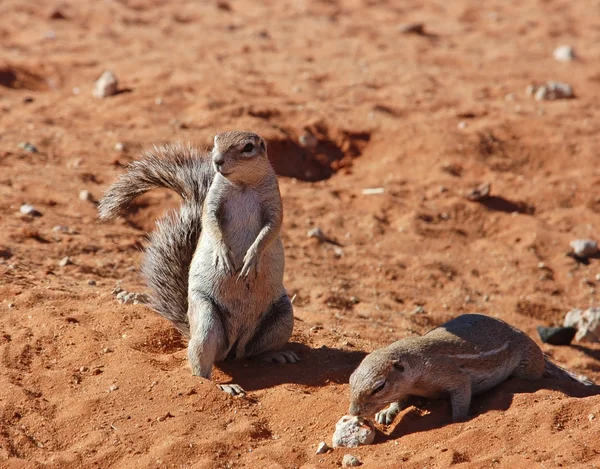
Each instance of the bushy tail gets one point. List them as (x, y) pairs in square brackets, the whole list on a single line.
[(169, 254), (552, 370)]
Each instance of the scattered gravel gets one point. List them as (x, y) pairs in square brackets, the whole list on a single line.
[(584, 247), (350, 461), (564, 53), (351, 432), (106, 85), (27, 209)]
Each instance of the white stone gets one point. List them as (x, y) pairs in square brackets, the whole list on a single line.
[(350, 461), (316, 233), (564, 53), (322, 448), (584, 247), (351, 432), (106, 85), (85, 195), (27, 209), (64, 261), (553, 90), (572, 318)]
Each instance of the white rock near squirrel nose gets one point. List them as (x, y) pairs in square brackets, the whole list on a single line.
[(352, 432)]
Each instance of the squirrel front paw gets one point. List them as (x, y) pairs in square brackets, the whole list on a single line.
[(222, 259), (251, 263)]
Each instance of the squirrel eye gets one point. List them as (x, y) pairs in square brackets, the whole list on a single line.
[(378, 388), (399, 367), (248, 148)]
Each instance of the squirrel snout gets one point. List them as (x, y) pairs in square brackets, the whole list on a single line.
[(354, 409), (218, 159)]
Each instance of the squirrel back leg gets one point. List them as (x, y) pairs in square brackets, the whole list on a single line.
[(207, 335), (273, 331)]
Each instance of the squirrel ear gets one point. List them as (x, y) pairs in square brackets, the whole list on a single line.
[(398, 367)]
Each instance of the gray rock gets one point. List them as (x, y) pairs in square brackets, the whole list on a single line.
[(350, 461), (129, 298), (550, 91), (564, 53), (351, 432), (586, 322), (322, 448), (106, 85), (28, 147), (584, 247)]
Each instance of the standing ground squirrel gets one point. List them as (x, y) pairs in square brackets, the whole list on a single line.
[(215, 266), (463, 357)]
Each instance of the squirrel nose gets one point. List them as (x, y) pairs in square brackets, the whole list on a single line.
[(354, 409), (218, 159)]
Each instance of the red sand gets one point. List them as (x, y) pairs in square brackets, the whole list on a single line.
[(385, 107)]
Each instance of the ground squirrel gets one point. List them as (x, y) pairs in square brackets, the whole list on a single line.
[(463, 357), (215, 266)]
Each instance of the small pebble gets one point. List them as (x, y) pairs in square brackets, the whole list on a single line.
[(584, 247), (350, 461), (119, 146), (27, 209), (85, 195), (308, 140), (338, 251), (92, 282), (322, 448), (106, 85), (351, 432), (113, 387), (11, 305), (412, 28), (597, 277), (64, 261), (418, 310), (28, 147), (316, 233), (373, 191), (83, 369), (564, 53), (481, 192), (462, 125), (62, 228), (591, 417)]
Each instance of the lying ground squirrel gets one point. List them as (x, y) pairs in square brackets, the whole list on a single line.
[(215, 266), (463, 357)]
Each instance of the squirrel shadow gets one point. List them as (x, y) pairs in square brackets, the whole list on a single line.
[(317, 367), (439, 412)]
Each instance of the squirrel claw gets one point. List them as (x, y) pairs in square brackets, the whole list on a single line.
[(232, 389), (250, 264), (223, 260), (387, 415)]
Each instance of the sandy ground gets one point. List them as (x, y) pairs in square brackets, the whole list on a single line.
[(87, 382)]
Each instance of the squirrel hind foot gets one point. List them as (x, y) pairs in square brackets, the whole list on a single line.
[(280, 356), (232, 389)]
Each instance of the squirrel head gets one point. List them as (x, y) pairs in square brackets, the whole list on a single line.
[(240, 156), (382, 378)]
